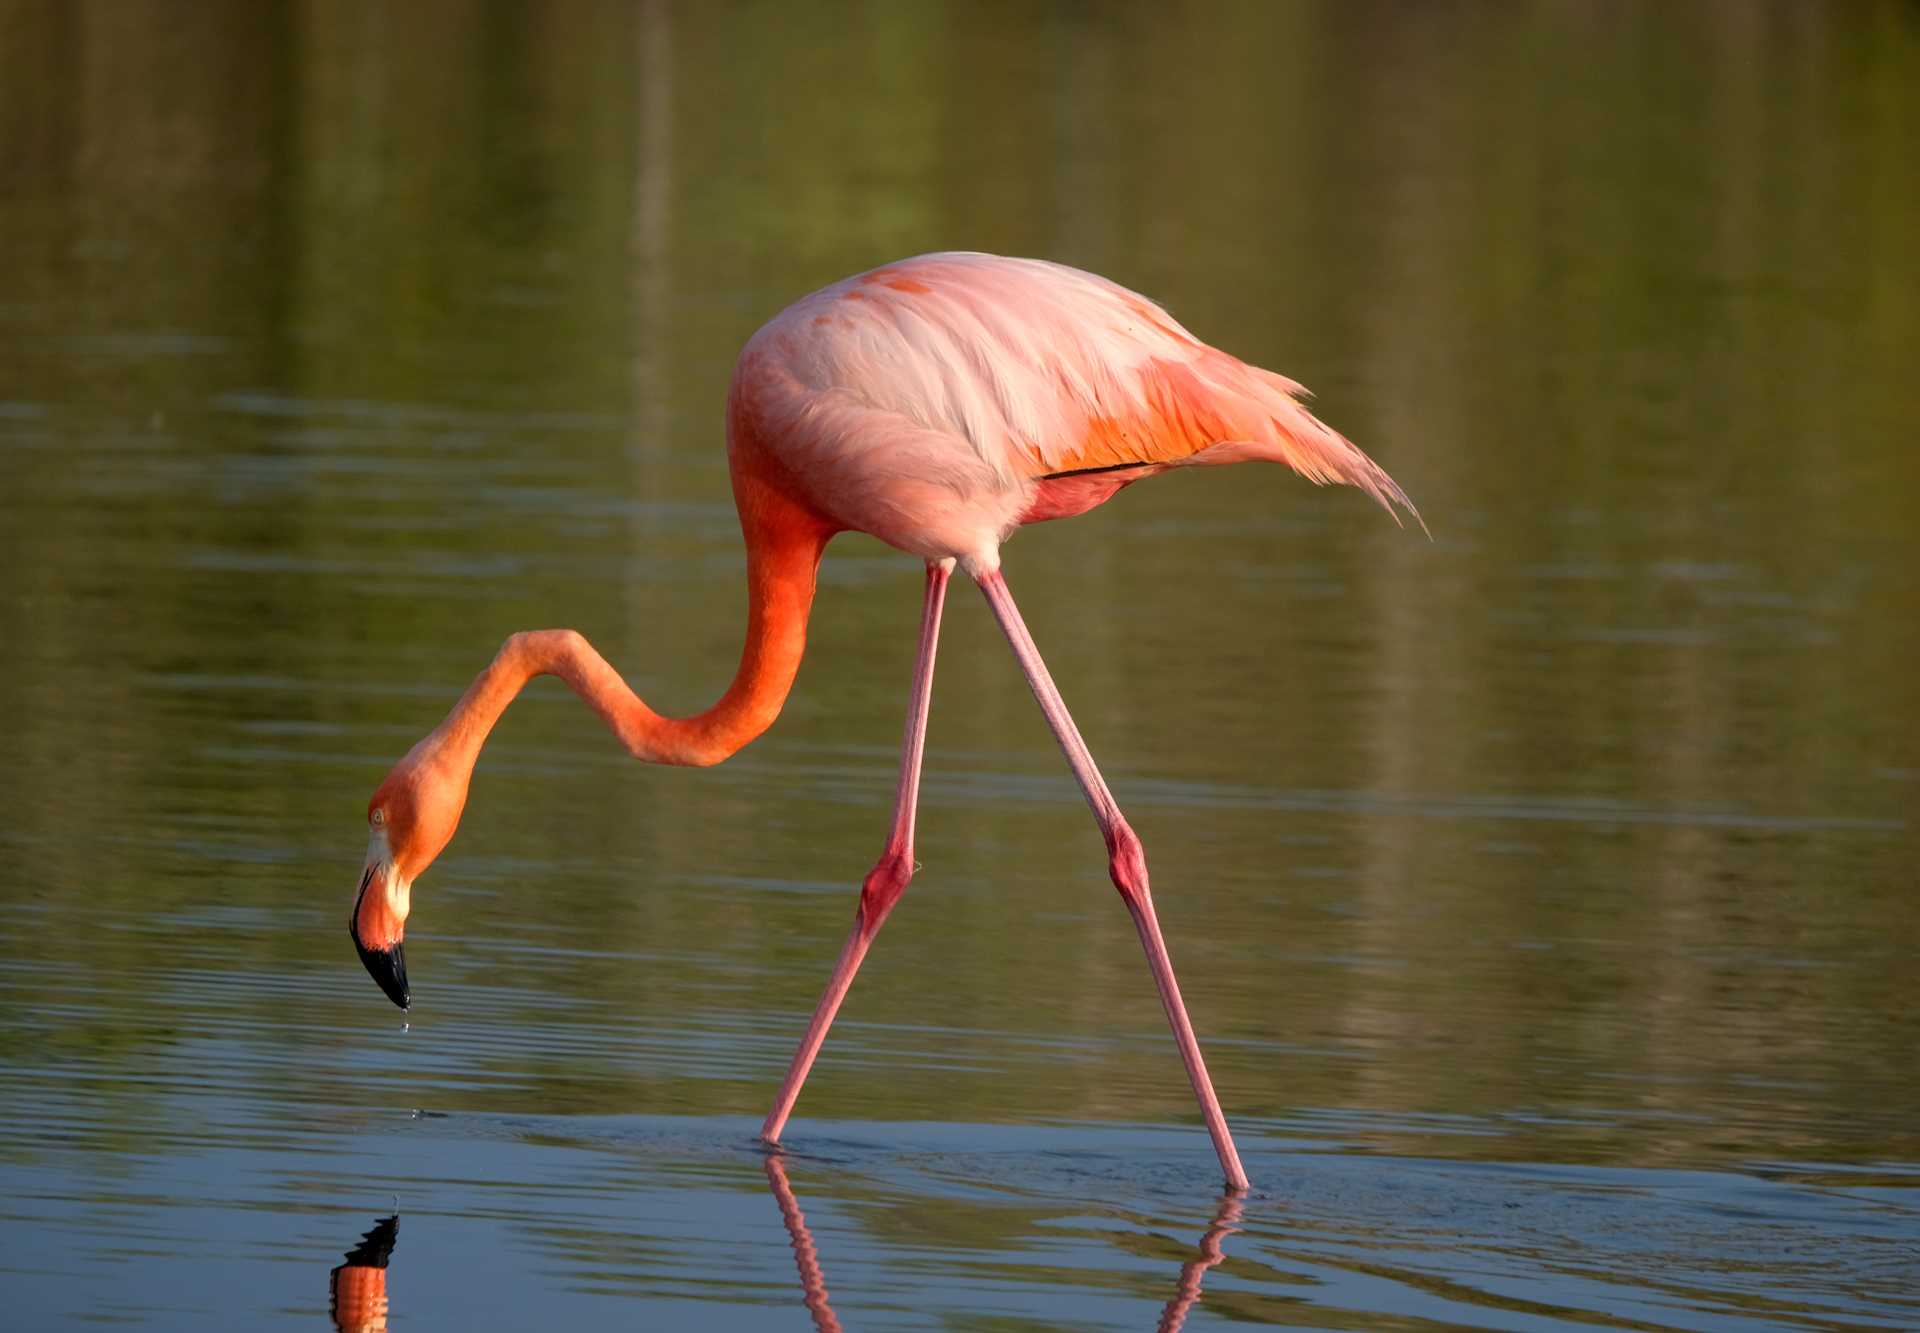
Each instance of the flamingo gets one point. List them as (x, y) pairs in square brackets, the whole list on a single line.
[(938, 403)]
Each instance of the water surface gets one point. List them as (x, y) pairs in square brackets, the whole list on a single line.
[(1544, 894)]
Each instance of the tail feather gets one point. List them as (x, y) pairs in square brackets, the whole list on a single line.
[(1266, 419)]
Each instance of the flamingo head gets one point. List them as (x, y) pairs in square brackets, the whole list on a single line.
[(409, 820)]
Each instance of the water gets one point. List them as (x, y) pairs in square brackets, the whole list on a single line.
[(1544, 894)]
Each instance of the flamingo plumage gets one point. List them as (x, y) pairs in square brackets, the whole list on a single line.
[(938, 403)]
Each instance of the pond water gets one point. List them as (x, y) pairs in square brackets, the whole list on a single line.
[(1544, 893)]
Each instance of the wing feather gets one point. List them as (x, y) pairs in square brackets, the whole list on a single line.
[(1043, 369)]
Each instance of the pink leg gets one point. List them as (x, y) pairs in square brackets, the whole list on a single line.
[(1126, 862), (889, 876)]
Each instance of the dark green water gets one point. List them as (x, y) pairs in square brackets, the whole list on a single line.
[(1545, 895)]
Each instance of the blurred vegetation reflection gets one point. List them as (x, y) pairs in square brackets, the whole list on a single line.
[(344, 339)]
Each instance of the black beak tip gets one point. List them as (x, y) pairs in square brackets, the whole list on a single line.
[(388, 968)]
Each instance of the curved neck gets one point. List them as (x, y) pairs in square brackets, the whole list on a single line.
[(783, 555), (784, 545)]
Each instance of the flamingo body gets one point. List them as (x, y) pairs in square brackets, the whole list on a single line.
[(937, 403)]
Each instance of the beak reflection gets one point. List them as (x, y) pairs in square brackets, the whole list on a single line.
[(357, 1289)]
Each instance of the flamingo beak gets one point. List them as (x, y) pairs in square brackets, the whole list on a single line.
[(388, 968), (385, 963)]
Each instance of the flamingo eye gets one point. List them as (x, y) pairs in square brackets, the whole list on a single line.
[(378, 817)]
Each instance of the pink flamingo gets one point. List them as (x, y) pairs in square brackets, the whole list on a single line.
[(938, 403)]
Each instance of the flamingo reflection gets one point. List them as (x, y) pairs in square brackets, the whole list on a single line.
[(357, 1289), (1226, 1221), (813, 1282)]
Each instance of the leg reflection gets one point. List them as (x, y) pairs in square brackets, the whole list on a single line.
[(813, 1283), (357, 1289), (1226, 1221)]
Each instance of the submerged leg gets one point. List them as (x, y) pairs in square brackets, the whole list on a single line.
[(1126, 862), (889, 876)]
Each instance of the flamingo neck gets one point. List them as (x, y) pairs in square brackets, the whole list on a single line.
[(783, 551)]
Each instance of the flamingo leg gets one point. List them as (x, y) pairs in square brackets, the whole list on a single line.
[(1126, 862), (888, 878)]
